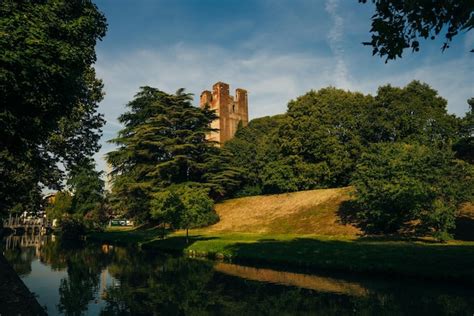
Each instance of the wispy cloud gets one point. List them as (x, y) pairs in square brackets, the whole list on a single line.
[(335, 37)]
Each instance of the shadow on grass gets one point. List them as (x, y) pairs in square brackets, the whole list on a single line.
[(347, 216), (453, 262), (464, 230)]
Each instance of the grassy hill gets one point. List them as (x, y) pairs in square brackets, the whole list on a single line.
[(302, 213)]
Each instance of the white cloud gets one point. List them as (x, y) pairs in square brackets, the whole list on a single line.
[(335, 37)]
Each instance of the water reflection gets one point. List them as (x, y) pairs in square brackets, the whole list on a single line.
[(108, 280)]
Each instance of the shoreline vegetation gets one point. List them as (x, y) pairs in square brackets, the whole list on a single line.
[(255, 238)]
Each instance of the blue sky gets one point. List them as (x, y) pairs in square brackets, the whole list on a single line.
[(276, 49)]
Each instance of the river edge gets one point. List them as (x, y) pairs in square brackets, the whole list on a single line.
[(16, 297), (453, 262)]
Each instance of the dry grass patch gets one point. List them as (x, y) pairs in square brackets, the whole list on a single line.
[(304, 212)]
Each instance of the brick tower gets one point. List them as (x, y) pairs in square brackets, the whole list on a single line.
[(230, 110)]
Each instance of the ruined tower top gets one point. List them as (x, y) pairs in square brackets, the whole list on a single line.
[(231, 110)]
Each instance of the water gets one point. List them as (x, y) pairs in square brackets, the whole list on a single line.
[(108, 280)]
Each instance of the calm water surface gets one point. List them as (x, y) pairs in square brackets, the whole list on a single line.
[(108, 280)]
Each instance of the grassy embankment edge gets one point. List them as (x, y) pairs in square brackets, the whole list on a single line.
[(421, 259)]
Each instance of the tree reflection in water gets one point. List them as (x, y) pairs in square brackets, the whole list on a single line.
[(130, 282)]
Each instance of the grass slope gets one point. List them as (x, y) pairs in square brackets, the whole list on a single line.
[(302, 213)]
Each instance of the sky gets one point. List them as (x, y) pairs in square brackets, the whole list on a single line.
[(275, 49)]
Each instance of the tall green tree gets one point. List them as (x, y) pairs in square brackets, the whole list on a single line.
[(400, 24), (48, 93), (414, 113), (88, 201), (163, 143), (251, 149), (322, 136)]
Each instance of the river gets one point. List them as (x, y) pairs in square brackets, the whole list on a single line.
[(99, 279)]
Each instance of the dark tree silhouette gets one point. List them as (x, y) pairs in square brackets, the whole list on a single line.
[(400, 24)]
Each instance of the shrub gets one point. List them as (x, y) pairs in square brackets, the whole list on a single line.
[(411, 187), (72, 229)]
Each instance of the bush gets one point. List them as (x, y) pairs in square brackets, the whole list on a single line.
[(72, 229), (411, 188)]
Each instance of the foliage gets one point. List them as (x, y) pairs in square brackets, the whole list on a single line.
[(198, 208), (88, 199), (71, 228), (318, 142), (184, 206), (321, 137), (163, 144), (49, 93), (411, 187), (251, 149), (399, 24), (415, 113), (60, 206), (465, 146), (166, 207), (85, 201)]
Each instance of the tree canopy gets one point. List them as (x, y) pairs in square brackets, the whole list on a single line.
[(48, 93), (164, 143), (317, 143), (399, 24), (411, 187)]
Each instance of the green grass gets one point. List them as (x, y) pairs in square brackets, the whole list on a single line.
[(450, 261)]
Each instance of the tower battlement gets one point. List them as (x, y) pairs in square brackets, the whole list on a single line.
[(231, 110)]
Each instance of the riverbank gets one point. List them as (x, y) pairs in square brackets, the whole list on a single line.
[(16, 299), (421, 259)]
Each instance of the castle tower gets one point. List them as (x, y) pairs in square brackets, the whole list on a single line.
[(231, 111)]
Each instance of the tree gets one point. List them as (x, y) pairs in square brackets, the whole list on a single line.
[(251, 149), (88, 189), (184, 206), (48, 93), (165, 207), (465, 146), (414, 113), (411, 188), (60, 206), (323, 131), (399, 24), (163, 144)]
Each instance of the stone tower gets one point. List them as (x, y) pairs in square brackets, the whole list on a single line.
[(230, 110)]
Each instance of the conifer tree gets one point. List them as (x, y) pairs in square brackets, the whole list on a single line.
[(163, 143)]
